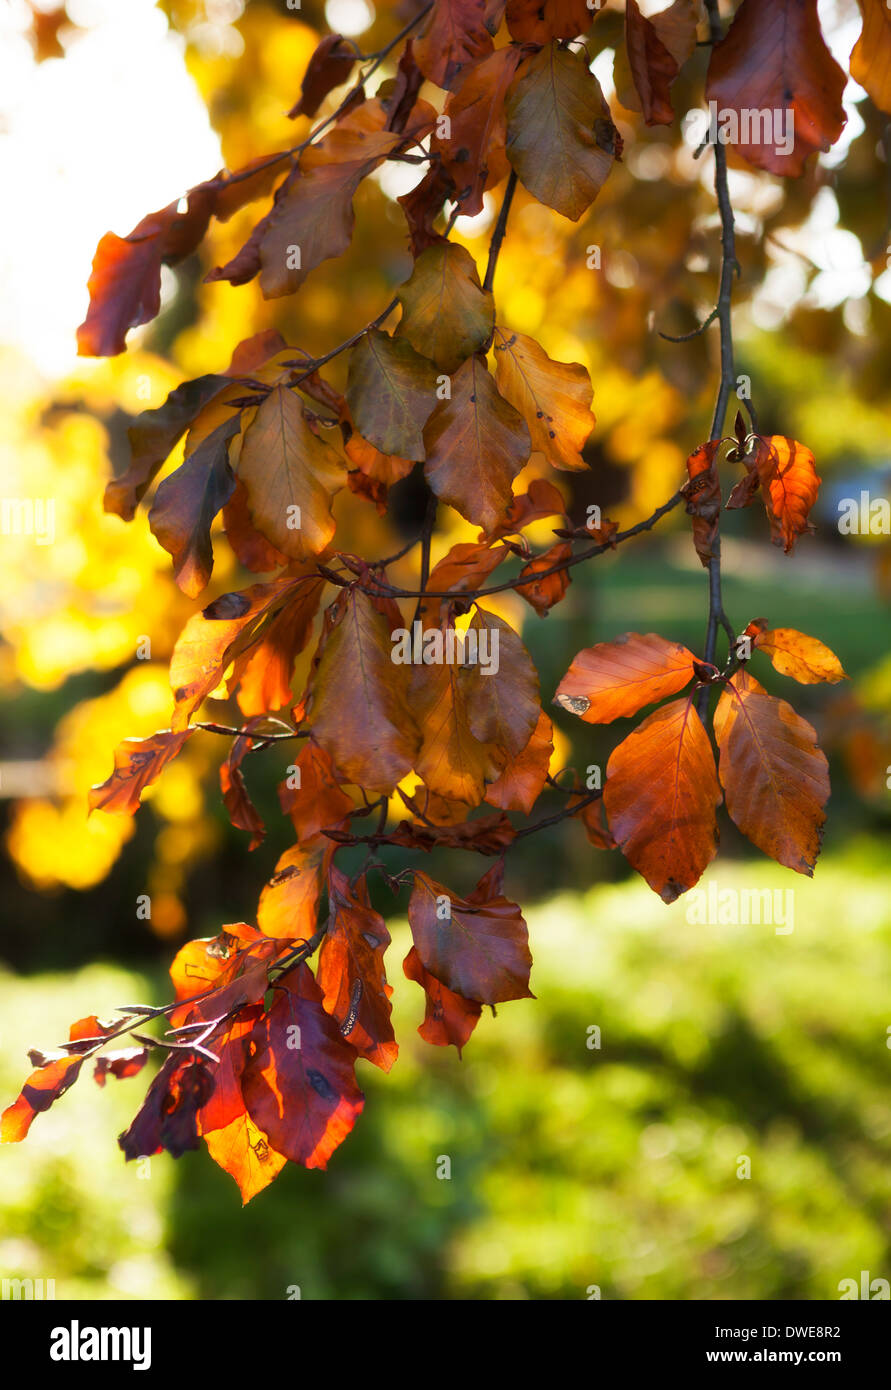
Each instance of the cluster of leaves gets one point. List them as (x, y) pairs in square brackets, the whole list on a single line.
[(262, 1051)]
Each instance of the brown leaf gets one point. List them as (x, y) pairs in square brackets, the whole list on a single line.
[(773, 59), (554, 398), (448, 1018), (289, 475), (137, 763), (477, 950), (473, 157), (242, 812), (775, 778), (660, 795), (538, 21), (561, 140), (390, 393), (359, 709), (613, 680), (251, 548), (454, 35), (656, 49), (351, 971), (703, 493), (186, 504), (328, 67), (476, 444), (446, 314), (168, 1118)]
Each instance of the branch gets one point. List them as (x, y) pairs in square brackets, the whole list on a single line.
[(499, 230)]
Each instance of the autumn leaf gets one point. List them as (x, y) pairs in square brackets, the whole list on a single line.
[(523, 778), (543, 593), (476, 444), (186, 504), (263, 668), (561, 140), (168, 1118), (703, 493), (233, 1140), (660, 795), (787, 476), (310, 795), (289, 474), (805, 659), (541, 500), (359, 710), (446, 314), (125, 284), (773, 60), (137, 763), (554, 398), (289, 901), (390, 393), (351, 971), (473, 156), (871, 58), (242, 812), (538, 21), (448, 1018), (454, 35), (44, 1086), (477, 950), (250, 547), (775, 778), (656, 49), (121, 1063), (613, 680), (328, 68), (299, 1086)]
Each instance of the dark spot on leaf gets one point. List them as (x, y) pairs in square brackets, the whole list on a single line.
[(321, 1085), (227, 606)]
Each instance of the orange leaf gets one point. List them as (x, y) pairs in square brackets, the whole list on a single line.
[(660, 796), (871, 58), (554, 398), (775, 778), (137, 763), (544, 593), (804, 658), (521, 782), (316, 803), (615, 679), (289, 901)]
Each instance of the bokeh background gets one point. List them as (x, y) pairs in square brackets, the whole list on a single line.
[(571, 1167)]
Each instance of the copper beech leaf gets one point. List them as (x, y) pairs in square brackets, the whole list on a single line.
[(299, 1085), (359, 711), (613, 680), (522, 780), (656, 49), (785, 472), (186, 504), (233, 1140), (541, 589), (554, 398), (390, 393), (773, 62), (289, 474), (561, 140), (479, 950), (871, 58), (476, 444), (168, 1118), (473, 156), (328, 68), (446, 313), (289, 901), (537, 21), (448, 1018), (351, 971), (660, 794), (310, 794), (775, 778), (806, 659), (241, 810), (44, 1086), (455, 35), (137, 763)]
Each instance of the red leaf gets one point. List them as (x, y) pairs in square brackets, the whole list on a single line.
[(328, 67), (773, 60), (168, 1118), (351, 971), (299, 1085), (478, 950), (242, 812), (448, 1018), (454, 35), (43, 1086)]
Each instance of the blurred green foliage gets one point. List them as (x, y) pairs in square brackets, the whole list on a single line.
[(570, 1166)]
